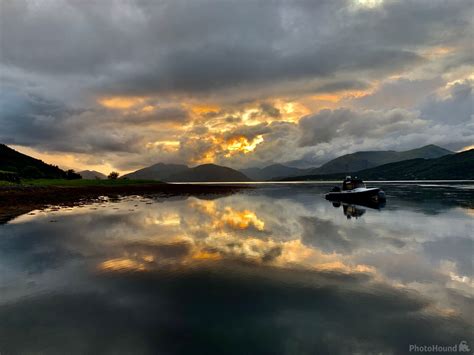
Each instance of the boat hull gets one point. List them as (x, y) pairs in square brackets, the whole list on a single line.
[(361, 194)]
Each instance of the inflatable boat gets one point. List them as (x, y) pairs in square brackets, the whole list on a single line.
[(354, 189)]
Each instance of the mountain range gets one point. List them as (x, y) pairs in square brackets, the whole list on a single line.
[(346, 163), (459, 166), (158, 171), (369, 159)]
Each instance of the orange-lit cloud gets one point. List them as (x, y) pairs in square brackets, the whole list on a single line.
[(241, 145), (206, 255), (219, 146), (148, 108), (327, 97), (228, 216), (200, 109), (166, 146), (121, 264), (241, 219), (121, 103)]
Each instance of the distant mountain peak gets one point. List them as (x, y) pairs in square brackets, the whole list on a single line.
[(92, 174), (179, 172), (207, 173), (434, 147)]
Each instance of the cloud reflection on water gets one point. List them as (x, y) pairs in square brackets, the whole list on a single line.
[(286, 273)]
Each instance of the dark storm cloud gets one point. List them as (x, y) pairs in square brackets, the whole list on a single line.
[(205, 70), (269, 110), (411, 23), (31, 120), (327, 125), (165, 114), (141, 48), (342, 86)]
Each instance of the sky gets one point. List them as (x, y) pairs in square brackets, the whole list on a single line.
[(119, 85)]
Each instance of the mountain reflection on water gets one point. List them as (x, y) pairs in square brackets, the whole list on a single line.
[(274, 270)]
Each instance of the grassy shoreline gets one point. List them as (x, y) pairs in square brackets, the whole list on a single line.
[(77, 182)]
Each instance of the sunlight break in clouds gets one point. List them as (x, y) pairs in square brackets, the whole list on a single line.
[(120, 102)]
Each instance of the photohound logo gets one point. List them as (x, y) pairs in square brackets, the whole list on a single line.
[(462, 347)]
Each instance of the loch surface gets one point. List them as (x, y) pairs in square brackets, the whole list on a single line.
[(272, 270)]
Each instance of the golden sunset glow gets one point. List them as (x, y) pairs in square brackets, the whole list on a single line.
[(206, 255), (121, 103), (242, 219), (293, 254), (291, 111), (327, 97), (228, 216), (68, 161), (469, 147), (167, 146), (241, 144), (121, 264), (148, 108), (201, 109)]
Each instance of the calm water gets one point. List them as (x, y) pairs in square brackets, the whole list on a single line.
[(275, 270)]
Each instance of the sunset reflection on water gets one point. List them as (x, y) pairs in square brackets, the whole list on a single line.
[(277, 264)]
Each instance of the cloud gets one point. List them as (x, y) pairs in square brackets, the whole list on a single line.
[(35, 121), (343, 85), (327, 125), (453, 248), (399, 93), (260, 64), (139, 48), (457, 108)]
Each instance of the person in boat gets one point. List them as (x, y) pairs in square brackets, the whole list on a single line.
[(352, 183), (349, 184)]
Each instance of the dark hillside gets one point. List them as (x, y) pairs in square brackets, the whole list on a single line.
[(26, 166)]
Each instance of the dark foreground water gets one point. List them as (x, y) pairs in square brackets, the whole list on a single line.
[(275, 270)]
